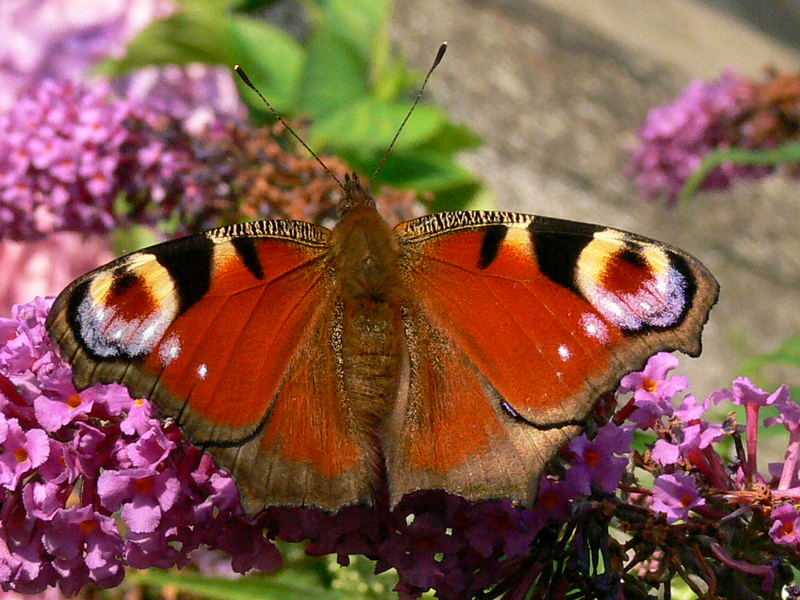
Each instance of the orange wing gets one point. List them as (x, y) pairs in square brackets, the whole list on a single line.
[(230, 332), (518, 324)]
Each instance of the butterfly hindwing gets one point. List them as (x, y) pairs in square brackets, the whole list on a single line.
[(229, 332), (450, 429), (540, 316)]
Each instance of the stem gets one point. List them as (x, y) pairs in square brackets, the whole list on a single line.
[(739, 565), (687, 579), (717, 467), (712, 579), (790, 493), (750, 467), (10, 391), (623, 413), (792, 455), (789, 152)]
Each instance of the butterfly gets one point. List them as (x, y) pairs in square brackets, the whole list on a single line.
[(457, 351)]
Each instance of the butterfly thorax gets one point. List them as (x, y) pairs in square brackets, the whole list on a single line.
[(364, 249), (369, 292)]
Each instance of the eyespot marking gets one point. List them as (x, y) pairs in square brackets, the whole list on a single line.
[(633, 285)]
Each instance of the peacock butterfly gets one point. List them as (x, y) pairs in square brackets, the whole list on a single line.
[(458, 350)]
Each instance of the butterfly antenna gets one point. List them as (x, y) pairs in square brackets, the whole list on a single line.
[(243, 76), (436, 61)]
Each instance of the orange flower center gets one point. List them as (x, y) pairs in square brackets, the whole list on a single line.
[(650, 385), (21, 455), (74, 401), (686, 500), (89, 525), (548, 500), (592, 458), (144, 485)]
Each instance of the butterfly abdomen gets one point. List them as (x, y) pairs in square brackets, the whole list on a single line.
[(365, 260), (371, 359)]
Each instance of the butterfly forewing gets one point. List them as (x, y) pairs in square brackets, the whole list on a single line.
[(538, 317), (228, 332)]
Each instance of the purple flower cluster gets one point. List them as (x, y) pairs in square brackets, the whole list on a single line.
[(92, 482), (676, 137), (65, 38), (68, 151), (684, 451), (197, 94)]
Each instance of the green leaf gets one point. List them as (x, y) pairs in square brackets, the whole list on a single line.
[(198, 34), (390, 77), (358, 23), (467, 195), (452, 137), (134, 237), (788, 353), (425, 171), (334, 75), (251, 5), (278, 587), (368, 125), (454, 187), (272, 59)]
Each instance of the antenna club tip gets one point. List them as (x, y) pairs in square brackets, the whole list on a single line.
[(439, 55), (243, 76)]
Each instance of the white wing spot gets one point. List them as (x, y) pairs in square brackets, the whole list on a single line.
[(170, 349), (564, 352), (202, 370), (594, 327), (150, 331)]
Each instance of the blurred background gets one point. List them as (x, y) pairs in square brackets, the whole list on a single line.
[(557, 91), (538, 107)]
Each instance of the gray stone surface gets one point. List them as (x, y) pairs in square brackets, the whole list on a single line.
[(557, 95)]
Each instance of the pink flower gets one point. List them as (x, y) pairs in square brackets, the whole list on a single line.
[(45, 267), (195, 93), (676, 495), (653, 389), (65, 38), (595, 461), (745, 393), (785, 528), (142, 494), (22, 451), (58, 443), (85, 545), (677, 136), (690, 438)]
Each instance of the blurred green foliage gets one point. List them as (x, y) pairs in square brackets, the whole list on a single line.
[(787, 354), (301, 577), (344, 77)]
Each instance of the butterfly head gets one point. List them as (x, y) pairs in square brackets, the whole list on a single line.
[(356, 195)]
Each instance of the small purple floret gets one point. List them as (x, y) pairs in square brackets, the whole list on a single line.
[(675, 495)]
